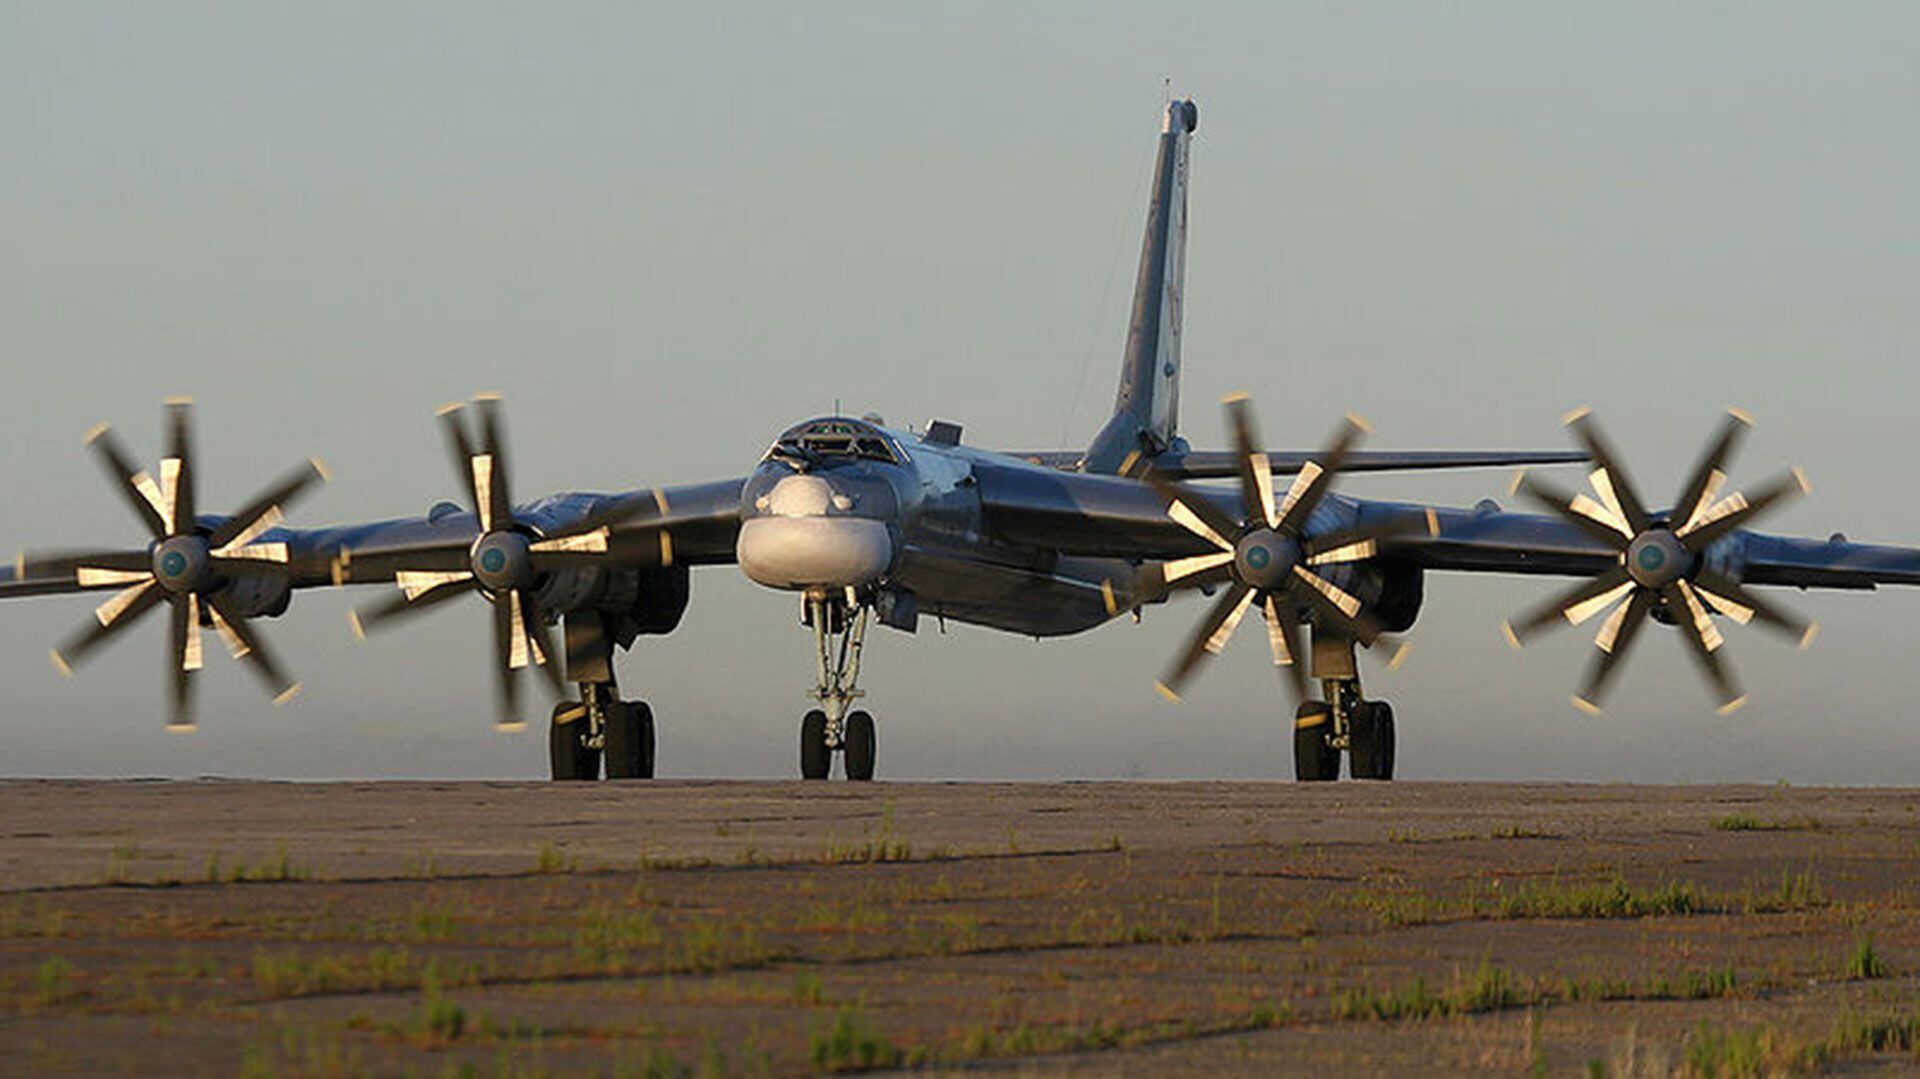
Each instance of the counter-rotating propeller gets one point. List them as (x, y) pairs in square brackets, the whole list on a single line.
[(187, 566), (1267, 557), (506, 564), (1662, 567)]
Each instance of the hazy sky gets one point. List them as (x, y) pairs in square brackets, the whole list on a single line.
[(666, 231)]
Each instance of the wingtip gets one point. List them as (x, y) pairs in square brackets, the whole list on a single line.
[(60, 663), (449, 407), (1433, 523), (1236, 397), (186, 726), (1800, 477), (1742, 415), (1806, 639), (93, 433), (487, 395), (1585, 705), (1576, 415), (1506, 628), (1359, 421), (1166, 691), (180, 400), (510, 726), (1399, 655), (1106, 596), (1733, 705), (1519, 477), (288, 694), (320, 469), (359, 631)]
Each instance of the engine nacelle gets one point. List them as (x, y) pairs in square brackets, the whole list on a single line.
[(1403, 589), (637, 602), (659, 601), (1389, 592), (259, 595)]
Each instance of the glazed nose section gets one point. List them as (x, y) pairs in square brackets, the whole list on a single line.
[(804, 534)]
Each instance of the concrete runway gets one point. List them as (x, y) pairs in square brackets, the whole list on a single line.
[(1151, 928)]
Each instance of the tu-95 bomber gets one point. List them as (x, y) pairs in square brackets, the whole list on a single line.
[(867, 523)]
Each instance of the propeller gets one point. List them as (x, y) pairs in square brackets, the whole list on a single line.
[(506, 564), (187, 566), (1268, 558), (1663, 570)]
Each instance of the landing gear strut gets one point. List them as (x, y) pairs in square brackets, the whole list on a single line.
[(839, 623), (599, 727), (1345, 722)]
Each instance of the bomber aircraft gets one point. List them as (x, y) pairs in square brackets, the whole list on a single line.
[(867, 523)]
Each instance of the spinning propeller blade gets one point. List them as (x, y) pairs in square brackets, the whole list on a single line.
[(507, 564), (1663, 571), (185, 566), (1271, 557)]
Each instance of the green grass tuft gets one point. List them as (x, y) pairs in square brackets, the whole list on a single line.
[(1611, 898), (850, 1043), (1863, 962)]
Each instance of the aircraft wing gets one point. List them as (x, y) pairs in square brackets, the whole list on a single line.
[(1523, 543), (693, 524), (1114, 517), (686, 525), (1220, 464)]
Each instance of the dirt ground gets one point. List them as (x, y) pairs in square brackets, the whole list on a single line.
[(1085, 928)]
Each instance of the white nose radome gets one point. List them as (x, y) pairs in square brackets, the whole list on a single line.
[(800, 496), (796, 545), (800, 553)]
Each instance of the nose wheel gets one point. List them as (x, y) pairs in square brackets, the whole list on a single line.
[(839, 623)]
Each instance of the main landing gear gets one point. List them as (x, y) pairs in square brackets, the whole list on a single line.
[(599, 728), (839, 623), (1345, 722)]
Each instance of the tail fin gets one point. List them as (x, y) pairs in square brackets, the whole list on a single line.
[(1146, 414)]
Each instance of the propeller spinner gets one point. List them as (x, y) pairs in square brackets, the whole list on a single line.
[(187, 566), (1269, 558), (1663, 568)]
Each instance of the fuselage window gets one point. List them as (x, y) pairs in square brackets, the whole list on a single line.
[(836, 439)]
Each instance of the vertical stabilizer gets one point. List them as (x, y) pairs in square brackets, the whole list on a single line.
[(1146, 413)]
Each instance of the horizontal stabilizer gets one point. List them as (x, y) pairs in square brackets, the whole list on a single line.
[(1220, 464)]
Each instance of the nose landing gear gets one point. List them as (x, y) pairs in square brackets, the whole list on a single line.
[(839, 623)]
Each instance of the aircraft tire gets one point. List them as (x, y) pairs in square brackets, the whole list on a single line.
[(569, 759), (630, 742), (815, 760), (1372, 753), (1314, 761), (862, 747)]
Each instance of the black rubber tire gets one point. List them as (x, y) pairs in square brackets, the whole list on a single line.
[(1383, 735), (1314, 761), (862, 746), (630, 742), (569, 760), (815, 760), (1371, 756)]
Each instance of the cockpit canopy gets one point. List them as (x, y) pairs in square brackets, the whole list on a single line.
[(834, 437)]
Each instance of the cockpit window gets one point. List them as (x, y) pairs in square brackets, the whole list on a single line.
[(810, 442)]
